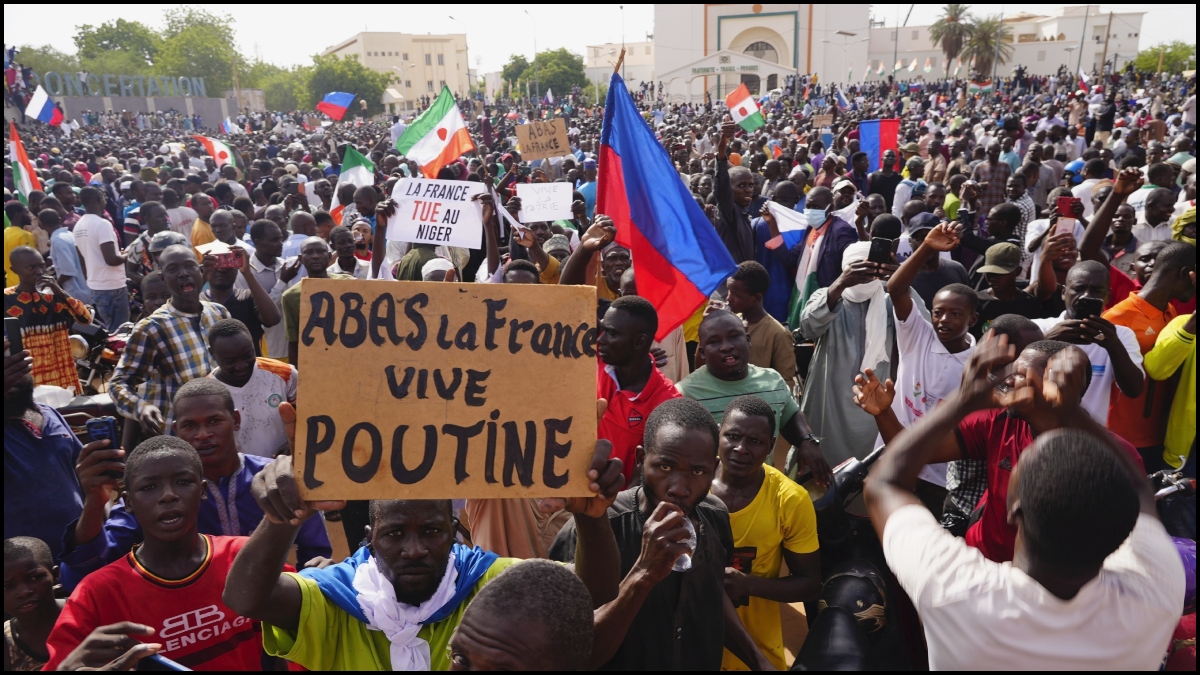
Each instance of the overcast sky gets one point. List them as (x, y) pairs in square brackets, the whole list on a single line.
[(289, 34)]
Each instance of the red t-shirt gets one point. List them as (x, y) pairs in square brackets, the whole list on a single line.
[(189, 619), (999, 438), (627, 412)]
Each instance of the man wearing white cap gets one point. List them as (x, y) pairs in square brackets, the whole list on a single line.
[(438, 269)]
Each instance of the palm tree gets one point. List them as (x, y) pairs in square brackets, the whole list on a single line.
[(950, 32), (982, 40)]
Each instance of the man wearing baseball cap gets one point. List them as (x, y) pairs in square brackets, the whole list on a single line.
[(1001, 266), (938, 271), (912, 187)]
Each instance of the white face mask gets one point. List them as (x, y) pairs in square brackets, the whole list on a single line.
[(815, 217)]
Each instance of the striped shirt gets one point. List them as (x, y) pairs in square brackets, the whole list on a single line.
[(166, 350), (715, 394)]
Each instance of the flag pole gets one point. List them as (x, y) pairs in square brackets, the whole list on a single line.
[(620, 60)]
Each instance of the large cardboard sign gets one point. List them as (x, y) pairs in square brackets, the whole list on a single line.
[(822, 121), (544, 201), (421, 390), (542, 139), (431, 211)]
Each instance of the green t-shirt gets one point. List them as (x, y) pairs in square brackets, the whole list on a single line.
[(291, 308), (330, 639), (764, 383)]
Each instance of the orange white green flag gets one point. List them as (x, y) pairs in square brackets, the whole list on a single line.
[(436, 138)]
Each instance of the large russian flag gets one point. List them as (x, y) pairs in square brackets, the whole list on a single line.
[(335, 104), (678, 256), (42, 108), (876, 137)]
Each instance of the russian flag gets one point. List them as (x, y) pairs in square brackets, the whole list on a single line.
[(228, 127), (876, 137), (678, 256), (335, 104), (42, 108)]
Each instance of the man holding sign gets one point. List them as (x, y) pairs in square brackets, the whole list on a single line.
[(395, 603)]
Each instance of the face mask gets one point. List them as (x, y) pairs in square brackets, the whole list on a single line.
[(815, 217)]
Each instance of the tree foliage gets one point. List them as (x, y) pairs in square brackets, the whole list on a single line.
[(985, 35), (46, 58), (557, 70), (515, 67), (130, 38), (1177, 56), (331, 73), (199, 44), (951, 31)]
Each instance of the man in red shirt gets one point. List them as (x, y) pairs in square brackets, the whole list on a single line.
[(172, 583), (627, 377), (999, 435)]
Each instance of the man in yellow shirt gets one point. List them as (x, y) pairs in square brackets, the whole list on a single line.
[(1175, 350), (773, 521), (16, 216)]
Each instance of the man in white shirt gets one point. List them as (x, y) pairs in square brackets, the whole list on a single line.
[(932, 351), (1096, 583), (303, 226), (258, 386), (1112, 350), (181, 217), (1154, 223), (397, 130), (1093, 171), (100, 255), (274, 274)]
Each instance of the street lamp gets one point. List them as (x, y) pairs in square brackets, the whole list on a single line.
[(466, 53), (846, 43), (400, 69), (536, 84)]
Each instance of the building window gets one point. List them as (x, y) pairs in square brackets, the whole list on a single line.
[(429, 59), (404, 56), (441, 83), (916, 34), (762, 50), (1041, 55), (408, 84), (893, 36), (647, 51), (441, 59), (429, 84)]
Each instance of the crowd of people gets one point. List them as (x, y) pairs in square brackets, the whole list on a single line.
[(1005, 303)]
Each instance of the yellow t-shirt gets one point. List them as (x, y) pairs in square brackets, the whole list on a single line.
[(13, 237), (691, 327), (330, 639), (781, 516), (201, 234)]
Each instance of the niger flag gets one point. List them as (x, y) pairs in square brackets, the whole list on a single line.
[(436, 138)]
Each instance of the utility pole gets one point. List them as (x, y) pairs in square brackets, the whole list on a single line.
[(1082, 36), (1104, 54), (237, 91), (996, 59)]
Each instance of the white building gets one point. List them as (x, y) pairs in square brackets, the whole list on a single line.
[(418, 65), (599, 60), (711, 49), (1041, 43)]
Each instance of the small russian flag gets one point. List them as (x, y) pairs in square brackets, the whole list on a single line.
[(335, 104), (876, 137), (228, 127), (42, 108)]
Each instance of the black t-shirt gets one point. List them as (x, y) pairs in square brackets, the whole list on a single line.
[(680, 625), (241, 306), (990, 308), (927, 283), (884, 185)]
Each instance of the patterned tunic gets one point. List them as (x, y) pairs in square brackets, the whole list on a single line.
[(45, 322)]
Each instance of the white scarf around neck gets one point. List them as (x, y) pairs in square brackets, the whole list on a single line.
[(873, 293), (398, 621)]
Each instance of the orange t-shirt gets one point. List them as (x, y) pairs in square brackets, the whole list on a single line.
[(1142, 420)]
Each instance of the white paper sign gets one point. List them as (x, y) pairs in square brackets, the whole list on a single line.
[(544, 201), (431, 211)]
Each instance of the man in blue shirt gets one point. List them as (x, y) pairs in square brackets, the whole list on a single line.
[(588, 187), (780, 261), (205, 417), (41, 494)]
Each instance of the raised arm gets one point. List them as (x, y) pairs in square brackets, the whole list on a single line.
[(944, 237), (268, 311), (893, 480), (574, 270), (1128, 181), (383, 211)]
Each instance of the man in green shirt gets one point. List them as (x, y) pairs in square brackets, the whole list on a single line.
[(395, 603), (728, 374), (315, 255)]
